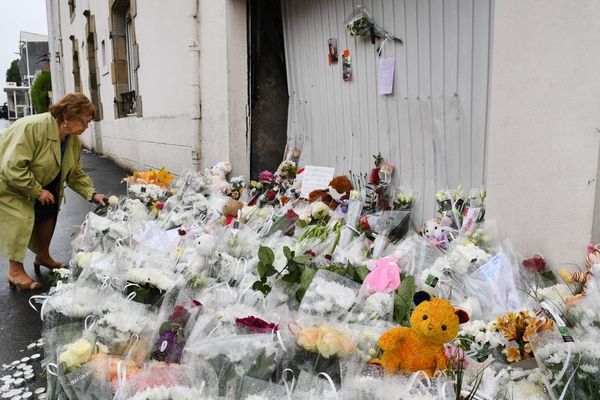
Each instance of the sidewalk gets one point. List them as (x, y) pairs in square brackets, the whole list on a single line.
[(21, 325)]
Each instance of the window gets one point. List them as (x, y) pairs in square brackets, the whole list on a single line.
[(125, 61), (130, 52)]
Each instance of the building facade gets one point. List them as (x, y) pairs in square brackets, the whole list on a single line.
[(160, 104)]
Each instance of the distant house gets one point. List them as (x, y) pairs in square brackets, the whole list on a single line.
[(34, 58)]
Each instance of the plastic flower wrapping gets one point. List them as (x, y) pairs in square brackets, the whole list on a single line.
[(165, 299)]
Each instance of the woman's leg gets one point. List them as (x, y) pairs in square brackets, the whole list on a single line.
[(17, 274), (43, 231)]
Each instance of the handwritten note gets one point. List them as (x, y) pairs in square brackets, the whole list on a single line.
[(314, 178), (386, 75)]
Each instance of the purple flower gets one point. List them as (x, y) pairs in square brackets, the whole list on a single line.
[(255, 325), (167, 348), (266, 177)]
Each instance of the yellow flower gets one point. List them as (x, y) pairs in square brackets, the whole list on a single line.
[(512, 354), (528, 348), (308, 337), (76, 354)]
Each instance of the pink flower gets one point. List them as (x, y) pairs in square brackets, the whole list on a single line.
[(385, 277), (455, 355), (265, 176)]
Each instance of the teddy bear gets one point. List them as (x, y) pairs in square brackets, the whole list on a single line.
[(230, 210), (338, 190), (434, 322), (436, 231), (219, 173)]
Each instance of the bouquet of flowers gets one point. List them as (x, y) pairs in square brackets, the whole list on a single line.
[(517, 330), (172, 334), (319, 350)]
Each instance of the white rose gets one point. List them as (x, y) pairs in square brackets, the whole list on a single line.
[(83, 259), (113, 200), (320, 210)]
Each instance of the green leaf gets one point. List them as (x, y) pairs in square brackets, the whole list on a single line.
[(257, 286), (302, 259), (270, 270), (305, 279), (265, 254), (287, 253), (403, 301), (362, 272), (261, 268), (263, 367)]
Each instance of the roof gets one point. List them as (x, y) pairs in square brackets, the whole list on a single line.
[(32, 37)]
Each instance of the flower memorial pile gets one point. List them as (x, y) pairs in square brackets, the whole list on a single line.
[(208, 287)]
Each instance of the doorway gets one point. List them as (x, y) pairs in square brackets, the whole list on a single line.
[(268, 86)]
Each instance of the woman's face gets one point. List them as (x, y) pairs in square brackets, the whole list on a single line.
[(78, 125)]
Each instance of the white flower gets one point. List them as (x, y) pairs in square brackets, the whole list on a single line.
[(62, 273), (83, 258), (113, 200), (327, 296), (320, 210), (168, 393), (157, 278)]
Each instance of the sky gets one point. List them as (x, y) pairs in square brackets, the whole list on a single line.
[(16, 16)]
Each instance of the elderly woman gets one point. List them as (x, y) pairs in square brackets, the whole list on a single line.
[(38, 155)]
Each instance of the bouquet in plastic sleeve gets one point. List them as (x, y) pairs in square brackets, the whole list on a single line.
[(159, 381), (451, 204), (234, 357), (173, 333), (494, 284), (517, 329), (570, 369), (319, 350), (473, 209), (82, 369), (329, 295)]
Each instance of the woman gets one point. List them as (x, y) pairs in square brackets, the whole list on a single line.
[(38, 155)]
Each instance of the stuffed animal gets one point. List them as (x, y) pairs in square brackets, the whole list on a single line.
[(230, 210), (338, 190), (434, 322), (436, 231), (585, 279), (219, 173)]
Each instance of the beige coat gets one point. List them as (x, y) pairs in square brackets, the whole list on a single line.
[(29, 160)]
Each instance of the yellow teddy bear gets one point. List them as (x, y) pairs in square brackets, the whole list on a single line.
[(434, 322)]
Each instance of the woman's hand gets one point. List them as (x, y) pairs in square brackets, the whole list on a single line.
[(45, 197), (99, 199)]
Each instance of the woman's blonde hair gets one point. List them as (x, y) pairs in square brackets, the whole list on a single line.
[(71, 106)]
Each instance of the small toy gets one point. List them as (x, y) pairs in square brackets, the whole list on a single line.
[(219, 173), (436, 231), (434, 322), (230, 210), (338, 190)]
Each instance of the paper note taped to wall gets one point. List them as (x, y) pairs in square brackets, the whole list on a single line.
[(314, 178)]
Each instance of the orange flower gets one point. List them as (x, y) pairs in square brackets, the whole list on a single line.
[(512, 354)]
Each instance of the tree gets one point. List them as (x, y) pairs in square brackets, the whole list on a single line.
[(39, 92), (13, 74)]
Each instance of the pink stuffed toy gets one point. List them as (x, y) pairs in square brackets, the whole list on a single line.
[(385, 277), (436, 231)]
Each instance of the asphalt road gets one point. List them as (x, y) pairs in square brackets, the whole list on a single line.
[(20, 325)]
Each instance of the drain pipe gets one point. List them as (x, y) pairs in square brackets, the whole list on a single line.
[(196, 104)]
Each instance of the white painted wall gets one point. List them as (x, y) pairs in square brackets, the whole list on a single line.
[(224, 84), (165, 135), (433, 125), (543, 125)]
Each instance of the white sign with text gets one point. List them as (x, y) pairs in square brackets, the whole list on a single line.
[(314, 177)]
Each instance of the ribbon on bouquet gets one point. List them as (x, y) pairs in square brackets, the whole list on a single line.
[(417, 375), (289, 388), (330, 381), (44, 298)]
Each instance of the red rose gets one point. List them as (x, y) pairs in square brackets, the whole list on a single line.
[(179, 315), (374, 179), (364, 223), (310, 253), (270, 195), (536, 264), (255, 325), (159, 205)]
